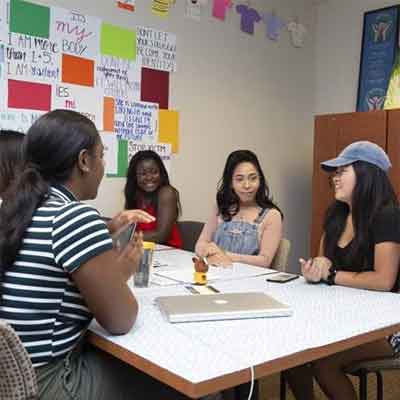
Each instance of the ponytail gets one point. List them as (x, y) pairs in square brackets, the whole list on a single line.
[(51, 151), (21, 200)]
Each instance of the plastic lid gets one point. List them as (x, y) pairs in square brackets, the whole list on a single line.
[(149, 245)]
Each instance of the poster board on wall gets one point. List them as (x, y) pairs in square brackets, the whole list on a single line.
[(378, 52)]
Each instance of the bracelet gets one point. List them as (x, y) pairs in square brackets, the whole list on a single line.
[(330, 280)]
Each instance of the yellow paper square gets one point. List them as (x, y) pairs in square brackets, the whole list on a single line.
[(168, 131)]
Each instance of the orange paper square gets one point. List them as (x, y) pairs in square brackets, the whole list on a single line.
[(108, 114), (168, 131), (77, 70)]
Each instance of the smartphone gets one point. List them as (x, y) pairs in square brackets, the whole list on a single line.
[(282, 277), (123, 237)]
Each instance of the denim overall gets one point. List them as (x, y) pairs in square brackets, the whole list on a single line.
[(238, 236)]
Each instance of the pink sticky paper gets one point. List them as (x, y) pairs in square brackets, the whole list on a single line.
[(220, 7)]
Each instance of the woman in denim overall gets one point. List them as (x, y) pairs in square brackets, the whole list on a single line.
[(246, 226)]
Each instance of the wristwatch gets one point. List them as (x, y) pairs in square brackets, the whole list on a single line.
[(330, 280)]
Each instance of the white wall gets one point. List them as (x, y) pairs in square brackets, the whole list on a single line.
[(233, 91), (338, 39)]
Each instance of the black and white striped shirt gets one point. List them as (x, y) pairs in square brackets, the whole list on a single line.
[(38, 297)]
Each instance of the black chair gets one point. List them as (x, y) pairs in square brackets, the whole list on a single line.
[(190, 232), (376, 366)]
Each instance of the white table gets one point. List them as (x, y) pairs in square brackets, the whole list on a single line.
[(204, 357)]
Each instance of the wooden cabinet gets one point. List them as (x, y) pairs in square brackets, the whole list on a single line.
[(334, 132)]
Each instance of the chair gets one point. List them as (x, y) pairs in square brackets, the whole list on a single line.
[(361, 369), (17, 375), (280, 263), (190, 232), (376, 366), (281, 258)]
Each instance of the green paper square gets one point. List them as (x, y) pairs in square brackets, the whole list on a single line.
[(30, 19), (122, 160), (118, 42)]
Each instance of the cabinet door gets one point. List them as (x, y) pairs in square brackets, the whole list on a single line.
[(332, 134), (325, 137), (393, 148)]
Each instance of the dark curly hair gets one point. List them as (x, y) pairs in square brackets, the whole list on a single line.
[(11, 156), (372, 193), (227, 200), (133, 193)]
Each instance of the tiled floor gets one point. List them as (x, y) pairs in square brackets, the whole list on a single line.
[(269, 388)]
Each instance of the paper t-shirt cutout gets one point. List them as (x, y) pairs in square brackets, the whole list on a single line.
[(248, 17), (193, 9), (297, 32), (274, 26), (220, 7), (160, 7)]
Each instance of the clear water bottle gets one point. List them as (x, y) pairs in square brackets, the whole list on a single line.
[(143, 274)]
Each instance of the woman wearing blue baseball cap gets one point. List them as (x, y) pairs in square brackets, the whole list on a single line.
[(360, 248)]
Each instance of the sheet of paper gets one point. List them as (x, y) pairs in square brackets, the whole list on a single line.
[(118, 77), (169, 128), (78, 34), (136, 120), (157, 48), (33, 58), (110, 143), (162, 149), (20, 120), (80, 99), (118, 42)]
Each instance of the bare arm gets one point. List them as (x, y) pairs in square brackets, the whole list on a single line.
[(271, 236), (167, 215), (126, 217), (102, 283), (384, 275), (204, 242)]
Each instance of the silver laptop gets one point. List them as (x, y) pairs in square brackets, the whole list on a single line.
[(212, 307)]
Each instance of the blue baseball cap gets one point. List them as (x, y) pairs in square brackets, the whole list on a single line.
[(359, 151)]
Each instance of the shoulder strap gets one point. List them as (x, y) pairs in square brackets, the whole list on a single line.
[(263, 212)]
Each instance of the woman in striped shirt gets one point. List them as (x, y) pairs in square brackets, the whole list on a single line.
[(59, 267)]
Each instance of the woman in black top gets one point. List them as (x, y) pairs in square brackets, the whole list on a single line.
[(360, 248)]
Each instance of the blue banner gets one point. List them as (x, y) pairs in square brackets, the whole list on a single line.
[(379, 46)]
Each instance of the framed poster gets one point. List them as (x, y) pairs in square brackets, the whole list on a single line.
[(378, 52)]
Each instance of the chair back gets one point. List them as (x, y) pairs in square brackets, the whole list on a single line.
[(190, 232), (281, 258), (17, 375)]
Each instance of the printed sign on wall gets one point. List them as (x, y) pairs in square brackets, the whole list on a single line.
[(33, 58), (136, 120), (379, 45), (162, 149), (77, 34), (118, 77), (157, 48), (87, 101), (19, 121)]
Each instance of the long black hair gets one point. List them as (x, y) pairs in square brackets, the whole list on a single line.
[(133, 194), (372, 192), (11, 155), (227, 200), (52, 147)]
